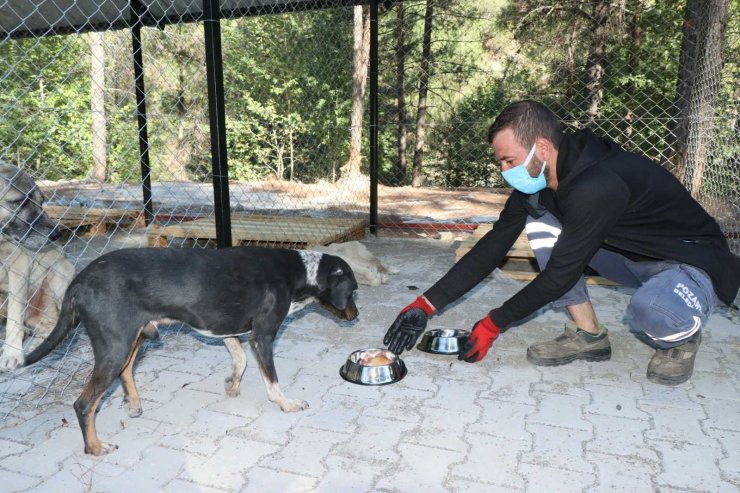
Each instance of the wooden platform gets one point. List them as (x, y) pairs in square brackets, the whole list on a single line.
[(275, 231), (520, 263), (94, 220), (521, 248)]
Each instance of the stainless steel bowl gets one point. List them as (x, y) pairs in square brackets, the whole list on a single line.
[(361, 369), (443, 341)]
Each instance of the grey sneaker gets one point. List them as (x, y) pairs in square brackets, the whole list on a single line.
[(571, 345), (675, 365)]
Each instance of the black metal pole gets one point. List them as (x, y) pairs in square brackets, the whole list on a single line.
[(373, 68), (217, 116), (146, 184)]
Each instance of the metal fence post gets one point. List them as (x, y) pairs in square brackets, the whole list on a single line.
[(373, 68), (217, 117), (146, 184)]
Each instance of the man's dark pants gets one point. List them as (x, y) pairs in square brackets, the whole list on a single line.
[(671, 302)]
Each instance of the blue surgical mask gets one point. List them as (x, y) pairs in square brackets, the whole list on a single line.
[(519, 177)]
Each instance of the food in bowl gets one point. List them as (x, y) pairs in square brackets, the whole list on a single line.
[(373, 367), (376, 360), (376, 357)]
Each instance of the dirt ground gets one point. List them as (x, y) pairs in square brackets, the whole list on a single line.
[(401, 210), (440, 204), (395, 204)]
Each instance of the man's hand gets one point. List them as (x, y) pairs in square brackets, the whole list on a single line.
[(409, 325), (480, 341)]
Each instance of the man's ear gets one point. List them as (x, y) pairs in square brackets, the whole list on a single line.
[(544, 149)]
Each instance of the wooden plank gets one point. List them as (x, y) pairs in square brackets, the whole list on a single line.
[(244, 229), (517, 256), (96, 218), (520, 249), (291, 231), (528, 276)]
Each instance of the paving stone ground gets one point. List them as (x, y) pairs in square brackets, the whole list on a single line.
[(501, 425)]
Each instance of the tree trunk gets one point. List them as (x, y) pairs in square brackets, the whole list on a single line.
[(705, 89), (97, 107), (678, 127), (402, 137), (42, 99), (421, 111), (291, 150), (595, 64), (571, 49), (632, 67), (182, 155), (183, 152), (360, 59)]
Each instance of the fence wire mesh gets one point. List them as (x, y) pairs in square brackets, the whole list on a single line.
[(658, 77)]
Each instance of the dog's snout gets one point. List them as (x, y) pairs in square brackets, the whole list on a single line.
[(42, 226), (54, 235), (350, 311)]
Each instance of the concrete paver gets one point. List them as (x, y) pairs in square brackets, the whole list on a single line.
[(494, 460), (623, 473), (501, 425)]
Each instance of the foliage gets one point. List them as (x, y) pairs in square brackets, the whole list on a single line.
[(289, 78), (467, 159), (46, 118), (288, 90)]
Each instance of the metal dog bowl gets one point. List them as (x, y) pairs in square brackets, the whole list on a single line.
[(373, 367), (443, 341)]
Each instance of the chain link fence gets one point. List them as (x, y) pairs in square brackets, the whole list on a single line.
[(658, 77), (69, 105)]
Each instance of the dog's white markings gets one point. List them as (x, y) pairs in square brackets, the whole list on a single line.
[(204, 332), (298, 305), (19, 274), (276, 395), (11, 358), (208, 333), (238, 365), (311, 261)]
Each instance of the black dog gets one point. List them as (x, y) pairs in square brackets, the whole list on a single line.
[(121, 296)]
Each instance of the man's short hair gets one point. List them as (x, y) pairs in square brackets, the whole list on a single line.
[(529, 120)]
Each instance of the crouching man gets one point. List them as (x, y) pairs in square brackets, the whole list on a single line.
[(584, 201)]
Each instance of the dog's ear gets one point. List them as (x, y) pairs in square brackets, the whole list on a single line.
[(340, 281), (338, 289), (336, 272)]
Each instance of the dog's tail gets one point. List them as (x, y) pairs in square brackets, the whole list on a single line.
[(66, 321)]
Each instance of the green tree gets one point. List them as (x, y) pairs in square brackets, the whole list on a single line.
[(45, 106), (288, 106)]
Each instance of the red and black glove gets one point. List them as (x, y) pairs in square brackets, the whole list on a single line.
[(408, 326), (480, 341)]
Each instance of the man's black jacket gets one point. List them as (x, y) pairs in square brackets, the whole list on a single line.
[(606, 198)]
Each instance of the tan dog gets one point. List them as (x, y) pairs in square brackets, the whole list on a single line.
[(33, 271), (368, 269)]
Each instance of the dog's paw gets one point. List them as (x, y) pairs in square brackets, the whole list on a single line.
[(375, 281), (101, 448), (232, 389), (134, 409), (291, 406), (11, 358)]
